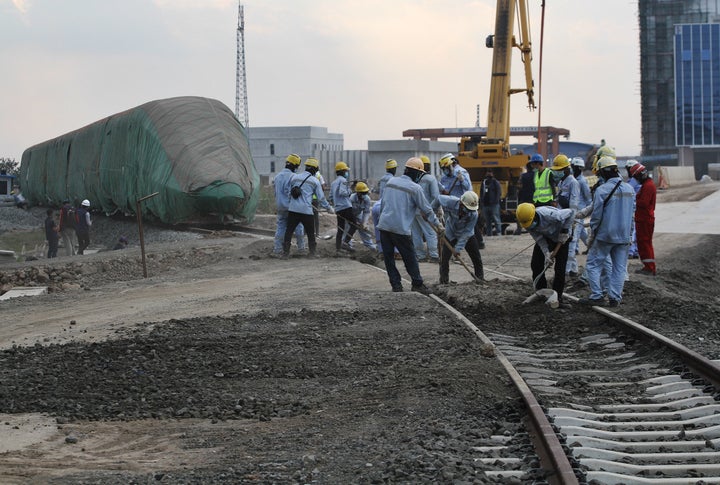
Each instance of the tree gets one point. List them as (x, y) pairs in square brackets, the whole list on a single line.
[(9, 166)]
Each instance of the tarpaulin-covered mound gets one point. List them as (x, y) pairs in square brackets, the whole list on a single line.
[(191, 150)]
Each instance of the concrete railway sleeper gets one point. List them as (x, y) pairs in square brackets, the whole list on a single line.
[(629, 410)]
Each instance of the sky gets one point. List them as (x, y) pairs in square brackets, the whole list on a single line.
[(368, 69)]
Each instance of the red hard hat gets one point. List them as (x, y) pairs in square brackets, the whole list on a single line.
[(636, 169)]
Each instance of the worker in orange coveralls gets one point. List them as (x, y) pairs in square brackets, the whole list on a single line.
[(645, 218)]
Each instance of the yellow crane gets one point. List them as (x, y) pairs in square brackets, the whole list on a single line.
[(492, 151)]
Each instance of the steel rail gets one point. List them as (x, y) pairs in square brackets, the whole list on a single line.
[(703, 366), (550, 451)]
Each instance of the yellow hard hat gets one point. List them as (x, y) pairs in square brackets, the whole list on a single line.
[(415, 163), (341, 166), (312, 162), (390, 163), (470, 200), (560, 162), (362, 187), (425, 159), (525, 214), (446, 160), (294, 159)]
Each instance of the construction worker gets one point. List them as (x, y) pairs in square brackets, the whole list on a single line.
[(402, 196), (551, 228), (585, 199), (300, 210), (422, 231), (455, 180), (340, 193), (82, 228), (461, 217), (611, 224), (281, 184), (645, 218), (491, 193), (633, 251), (361, 203), (68, 221), (527, 185), (315, 204), (568, 197), (390, 169), (544, 193)]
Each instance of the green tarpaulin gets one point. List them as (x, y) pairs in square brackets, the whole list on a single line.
[(191, 150)]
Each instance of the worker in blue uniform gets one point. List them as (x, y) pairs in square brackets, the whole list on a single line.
[(460, 218), (402, 196), (281, 185)]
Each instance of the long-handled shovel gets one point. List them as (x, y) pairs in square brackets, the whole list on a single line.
[(548, 263)]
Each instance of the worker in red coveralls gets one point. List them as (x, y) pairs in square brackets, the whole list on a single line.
[(645, 218)]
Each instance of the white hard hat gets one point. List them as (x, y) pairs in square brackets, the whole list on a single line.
[(577, 162), (85, 203)]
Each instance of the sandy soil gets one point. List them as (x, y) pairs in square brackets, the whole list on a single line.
[(227, 365)]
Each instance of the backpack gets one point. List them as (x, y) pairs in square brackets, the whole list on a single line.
[(69, 218)]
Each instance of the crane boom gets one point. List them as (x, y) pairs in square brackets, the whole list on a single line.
[(478, 154)]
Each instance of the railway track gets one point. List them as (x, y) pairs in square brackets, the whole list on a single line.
[(618, 405)]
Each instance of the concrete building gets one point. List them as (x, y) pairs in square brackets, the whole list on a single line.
[(271, 145), (676, 62)]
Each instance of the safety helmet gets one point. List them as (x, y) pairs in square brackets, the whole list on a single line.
[(636, 169), (425, 159), (390, 163), (294, 159), (525, 214), (605, 151), (446, 160), (577, 162), (312, 162), (537, 158), (470, 200), (415, 163), (606, 162), (560, 162), (341, 167), (630, 163), (85, 203), (362, 187)]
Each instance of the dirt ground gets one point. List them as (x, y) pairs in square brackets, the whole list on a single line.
[(225, 365)]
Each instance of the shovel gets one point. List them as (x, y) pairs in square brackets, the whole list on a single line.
[(547, 265)]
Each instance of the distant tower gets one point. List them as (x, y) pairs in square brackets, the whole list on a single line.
[(477, 116), (241, 99)]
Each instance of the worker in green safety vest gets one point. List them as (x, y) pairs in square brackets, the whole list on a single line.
[(544, 189)]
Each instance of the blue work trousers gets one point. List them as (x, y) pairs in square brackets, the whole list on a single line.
[(491, 213), (422, 229), (597, 259)]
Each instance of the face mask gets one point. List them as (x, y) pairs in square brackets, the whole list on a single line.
[(557, 175), (447, 171), (533, 224)]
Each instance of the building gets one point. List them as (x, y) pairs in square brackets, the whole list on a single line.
[(271, 145), (668, 79)]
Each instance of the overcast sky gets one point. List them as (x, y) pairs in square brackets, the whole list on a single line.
[(368, 69)]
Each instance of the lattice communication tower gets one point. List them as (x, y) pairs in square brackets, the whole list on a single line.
[(241, 98)]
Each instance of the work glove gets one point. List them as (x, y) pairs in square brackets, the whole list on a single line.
[(331, 210), (549, 260)]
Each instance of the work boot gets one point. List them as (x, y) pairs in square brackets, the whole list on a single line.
[(645, 271), (284, 255), (421, 289), (613, 303), (592, 301), (434, 259), (397, 289)]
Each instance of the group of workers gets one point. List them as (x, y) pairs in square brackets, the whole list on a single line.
[(555, 218), (418, 217), (74, 223)]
